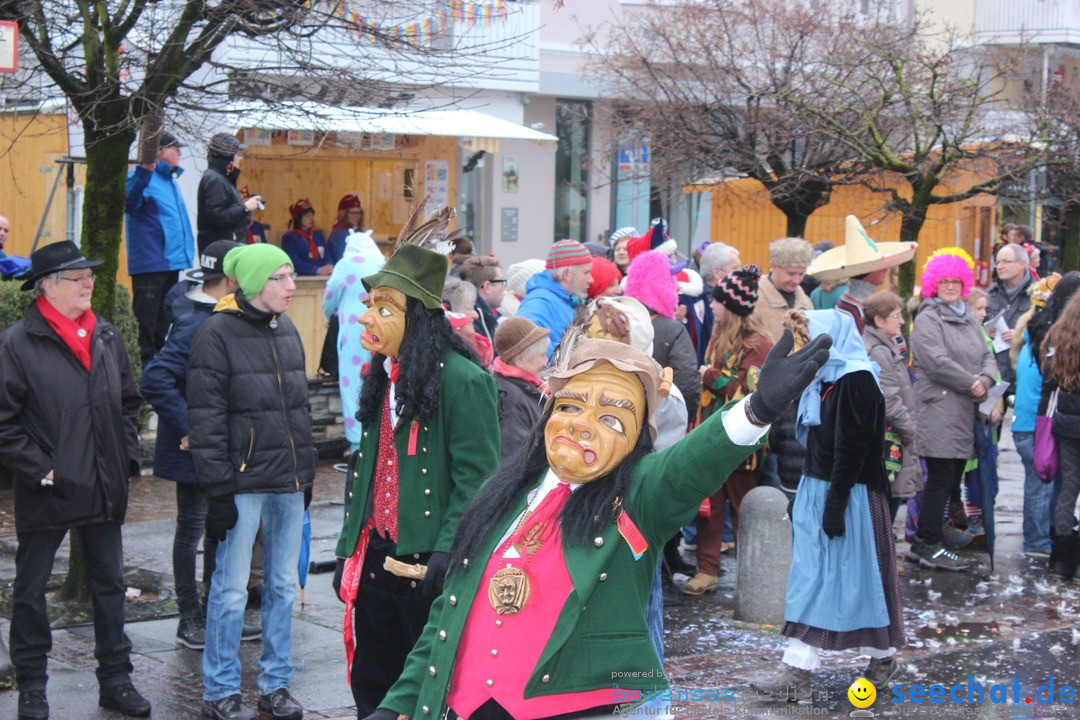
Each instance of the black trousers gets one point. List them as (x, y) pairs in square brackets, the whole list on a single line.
[(943, 477), (148, 291), (389, 614), (31, 636)]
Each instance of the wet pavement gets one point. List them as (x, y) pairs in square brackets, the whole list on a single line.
[(984, 630)]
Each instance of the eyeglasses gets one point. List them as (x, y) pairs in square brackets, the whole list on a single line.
[(282, 278), (1008, 262), (87, 279), (500, 281), (897, 316), (950, 281)]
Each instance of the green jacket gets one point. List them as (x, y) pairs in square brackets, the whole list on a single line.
[(455, 451), (601, 629)]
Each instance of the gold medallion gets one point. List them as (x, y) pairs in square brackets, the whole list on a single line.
[(509, 591)]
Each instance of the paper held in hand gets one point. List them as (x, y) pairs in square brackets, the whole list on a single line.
[(992, 395)]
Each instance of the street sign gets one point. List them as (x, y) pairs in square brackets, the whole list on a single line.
[(9, 46)]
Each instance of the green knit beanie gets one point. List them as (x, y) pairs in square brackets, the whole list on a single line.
[(251, 265)]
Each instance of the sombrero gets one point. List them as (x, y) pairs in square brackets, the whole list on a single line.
[(859, 254)]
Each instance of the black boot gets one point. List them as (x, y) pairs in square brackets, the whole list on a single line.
[(673, 560), (1063, 556)]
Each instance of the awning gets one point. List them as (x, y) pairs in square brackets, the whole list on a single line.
[(475, 126)]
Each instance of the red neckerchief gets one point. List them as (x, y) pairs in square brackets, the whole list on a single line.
[(76, 334), (513, 371), (308, 235)]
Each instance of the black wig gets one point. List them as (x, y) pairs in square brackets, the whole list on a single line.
[(427, 335), (587, 510)]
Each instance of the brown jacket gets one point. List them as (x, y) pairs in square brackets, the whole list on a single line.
[(773, 309), (949, 353)]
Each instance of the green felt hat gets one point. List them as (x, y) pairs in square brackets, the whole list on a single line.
[(415, 271)]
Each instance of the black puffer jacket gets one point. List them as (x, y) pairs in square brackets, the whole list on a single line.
[(54, 415), (672, 348), (520, 408), (222, 214), (789, 451), (248, 409)]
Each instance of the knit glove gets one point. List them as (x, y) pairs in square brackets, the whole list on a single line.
[(832, 520), (784, 377), (432, 583), (221, 517), (336, 582)]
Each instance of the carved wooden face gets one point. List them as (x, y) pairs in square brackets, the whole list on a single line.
[(384, 322), (595, 423)]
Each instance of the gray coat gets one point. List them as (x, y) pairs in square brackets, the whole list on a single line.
[(949, 353), (899, 408)]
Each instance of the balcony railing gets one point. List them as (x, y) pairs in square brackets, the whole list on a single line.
[(1028, 21)]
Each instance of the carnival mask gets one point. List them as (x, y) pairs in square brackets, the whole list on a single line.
[(384, 322), (595, 423)]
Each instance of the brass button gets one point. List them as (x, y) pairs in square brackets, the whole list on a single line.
[(442, 635), (431, 671), (427, 513), (546, 678), (427, 491), (490, 683), (453, 599), (603, 577), (494, 652), (599, 542), (423, 471), (423, 449), (426, 709)]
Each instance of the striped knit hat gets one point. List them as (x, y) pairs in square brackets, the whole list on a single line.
[(738, 291), (565, 253)]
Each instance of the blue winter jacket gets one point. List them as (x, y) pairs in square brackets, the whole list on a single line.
[(1028, 389), (159, 237), (549, 305), (296, 247), (164, 387)]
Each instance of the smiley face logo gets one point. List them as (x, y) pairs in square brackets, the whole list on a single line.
[(862, 693)]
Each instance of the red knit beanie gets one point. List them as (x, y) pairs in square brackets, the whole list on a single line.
[(604, 273)]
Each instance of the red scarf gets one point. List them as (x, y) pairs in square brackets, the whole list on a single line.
[(513, 371), (76, 334), (309, 236)]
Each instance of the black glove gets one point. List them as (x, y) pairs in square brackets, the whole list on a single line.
[(383, 714), (431, 585), (220, 517), (784, 377), (307, 496), (832, 520), (336, 582)]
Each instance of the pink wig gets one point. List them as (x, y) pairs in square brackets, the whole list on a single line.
[(649, 280), (946, 266)]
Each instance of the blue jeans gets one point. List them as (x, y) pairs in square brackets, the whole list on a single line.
[(282, 517), (654, 615), (1037, 495)]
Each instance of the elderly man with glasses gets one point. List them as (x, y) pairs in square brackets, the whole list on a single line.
[(68, 411), (1008, 297)]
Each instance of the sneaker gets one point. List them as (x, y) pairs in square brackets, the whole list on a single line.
[(33, 705), (791, 685), (955, 539), (1037, 554), (882, 672), (935, 556), (191, 633), (671, 596), (124, 699), (701, 584), (228, 708), (280, 705), (250, 632)]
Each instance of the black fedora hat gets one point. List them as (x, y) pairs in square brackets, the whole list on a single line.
[(64, 255)]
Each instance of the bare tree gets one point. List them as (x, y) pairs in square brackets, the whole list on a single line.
[(925, 110), (712, 85), (121, 64)]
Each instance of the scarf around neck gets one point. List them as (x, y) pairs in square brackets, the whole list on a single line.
[(76, 334)]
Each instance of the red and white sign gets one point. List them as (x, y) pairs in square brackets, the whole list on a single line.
[(9, 46)]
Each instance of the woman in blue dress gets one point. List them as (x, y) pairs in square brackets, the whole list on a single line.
[(843, 590)]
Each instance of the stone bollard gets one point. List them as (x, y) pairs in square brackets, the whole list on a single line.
[(764, 557)]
